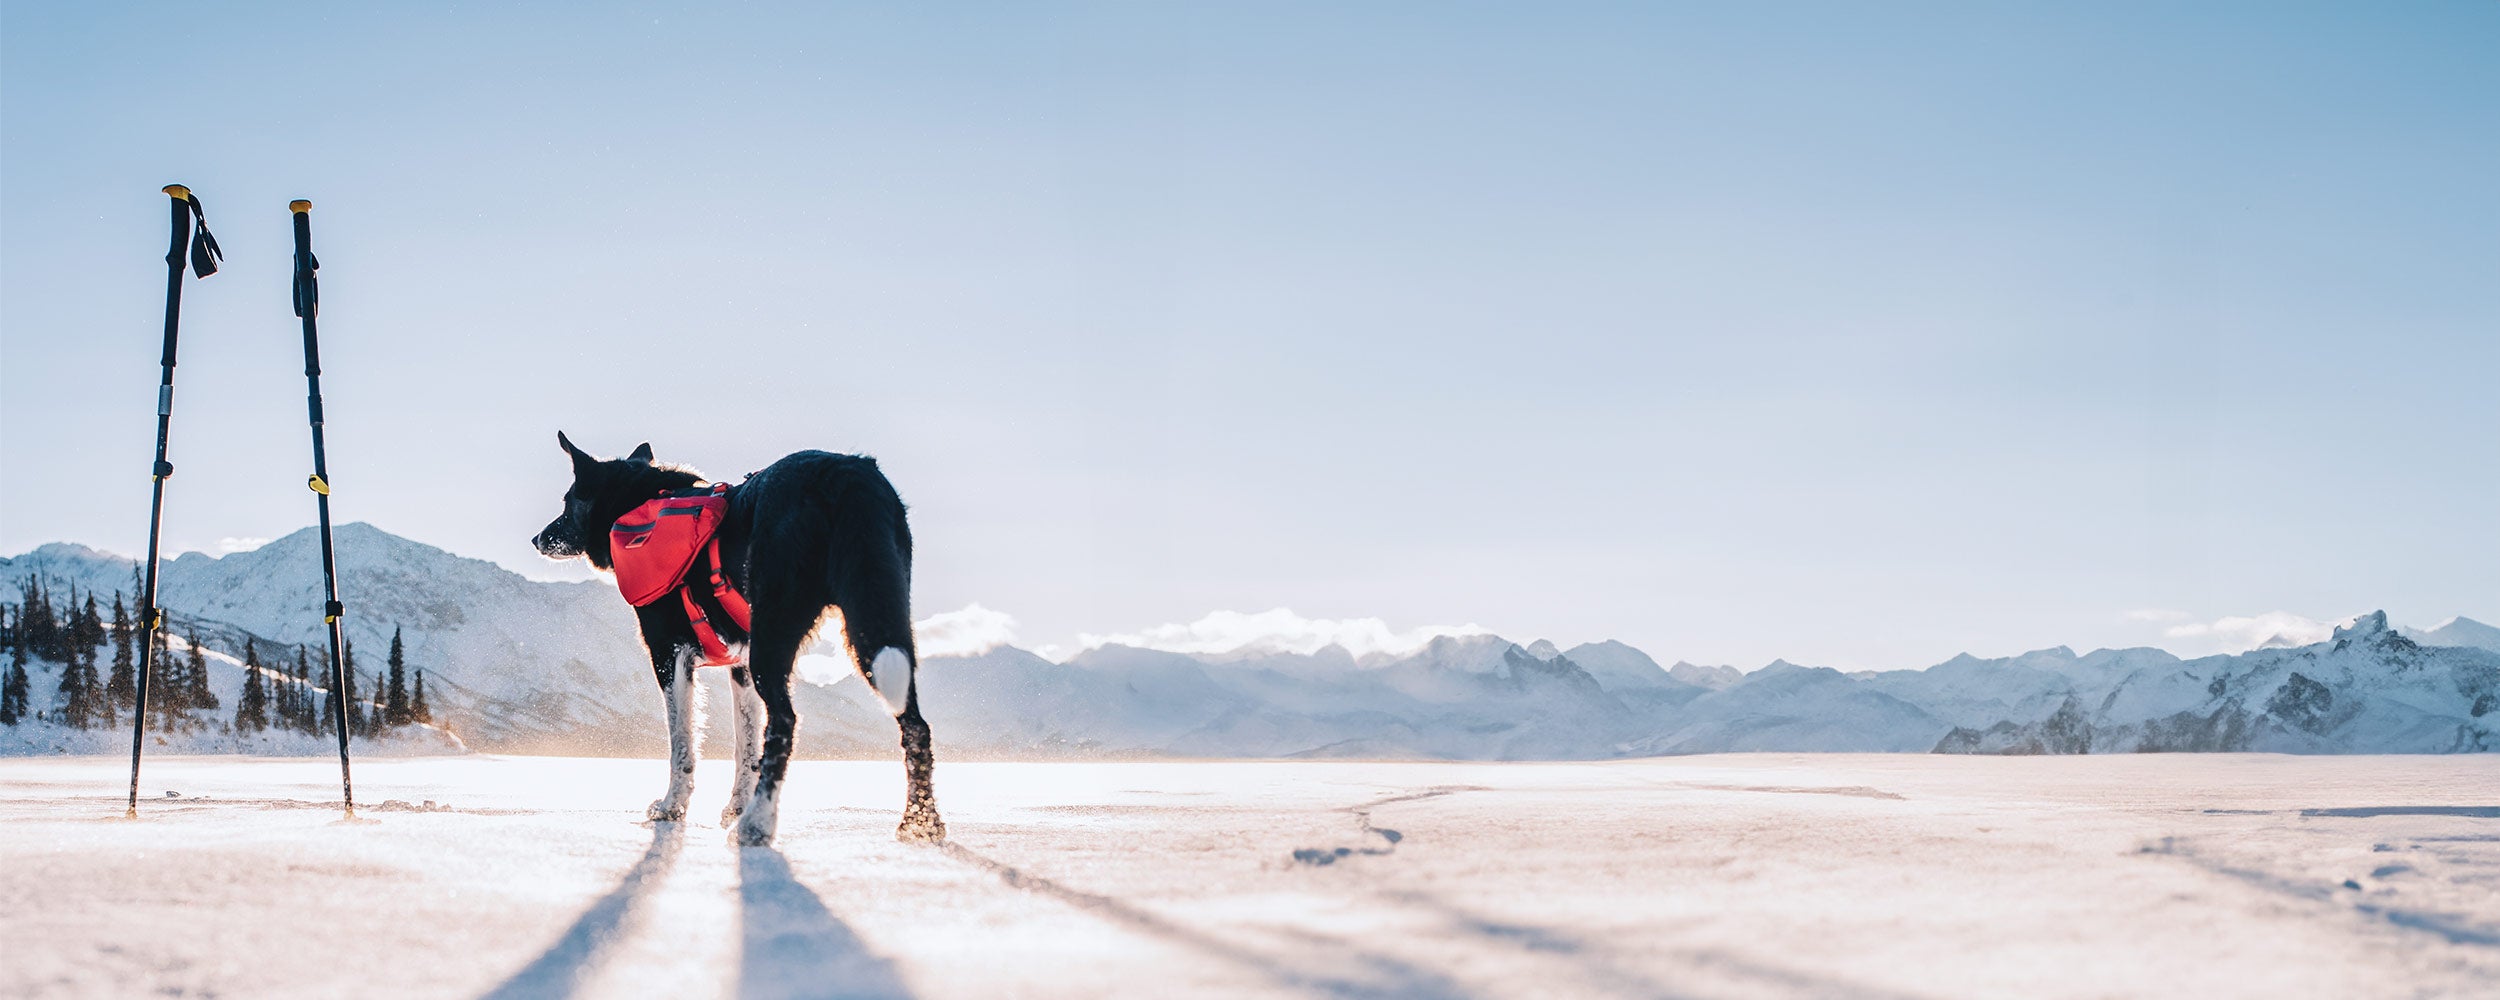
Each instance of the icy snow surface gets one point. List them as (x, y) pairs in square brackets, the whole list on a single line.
[(2206, 875)]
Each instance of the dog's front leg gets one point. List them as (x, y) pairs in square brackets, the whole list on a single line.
[(748, 710), (677, 687)]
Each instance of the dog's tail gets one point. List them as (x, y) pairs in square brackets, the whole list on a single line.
[(873, 588)]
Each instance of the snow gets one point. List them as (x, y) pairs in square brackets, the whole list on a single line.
[(520, 666), (2205, 875)]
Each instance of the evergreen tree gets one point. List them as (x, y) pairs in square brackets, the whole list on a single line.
[(13, 686), (395, 691), (171, 683), (122, 686), (251, 710), (73, 627), (416, 707), (307, 708), (37, 627), (163, 672), (88, 630), (8, 636), (67, 630), (355, 708), (76, 696), (99, 701), (282, 697), (308, 714), (195, 676)]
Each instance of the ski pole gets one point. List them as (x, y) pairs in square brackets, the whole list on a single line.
[(204, 254), (308, 305)]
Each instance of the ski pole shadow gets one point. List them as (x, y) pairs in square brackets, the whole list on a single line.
[(1380, 975), (558, 972), (792, 947)]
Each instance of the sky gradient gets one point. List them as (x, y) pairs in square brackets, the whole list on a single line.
[(1855, 335)]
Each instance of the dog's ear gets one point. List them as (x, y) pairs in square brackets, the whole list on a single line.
[(581, 459), (642, 453)]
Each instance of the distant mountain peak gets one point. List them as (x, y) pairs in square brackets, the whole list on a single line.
[(72, 549), (2363, 627), (2457, 631), (1706, 677)]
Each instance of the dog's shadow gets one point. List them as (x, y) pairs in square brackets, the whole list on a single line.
[(558, 972), (792, 948)]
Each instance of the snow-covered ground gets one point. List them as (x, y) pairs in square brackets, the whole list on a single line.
[(2205, 875)]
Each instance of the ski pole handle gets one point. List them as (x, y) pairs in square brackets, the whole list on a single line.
[(307, 286), (205, 253), (181, 197)]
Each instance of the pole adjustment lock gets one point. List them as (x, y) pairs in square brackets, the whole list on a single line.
[(317, 484), (332, 611), (164, 469)]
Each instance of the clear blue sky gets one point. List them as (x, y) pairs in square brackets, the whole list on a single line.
[(1856, 334)]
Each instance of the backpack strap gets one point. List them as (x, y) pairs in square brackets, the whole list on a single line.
[(715, 650), (730, 599)]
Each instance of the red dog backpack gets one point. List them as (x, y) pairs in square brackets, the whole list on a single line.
[(653, 547)]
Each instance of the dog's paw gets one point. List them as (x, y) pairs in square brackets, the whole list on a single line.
[(745, 833), (665, 811), (754, 827), (729, 816), (921, 826)]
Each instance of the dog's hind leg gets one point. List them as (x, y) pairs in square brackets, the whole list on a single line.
[(685, 709), (920, 813), (748, 710), (890, 671)]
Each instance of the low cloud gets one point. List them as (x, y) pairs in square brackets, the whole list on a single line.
[(230, 546), (968, 631), (2240, 633), (1279, 630)]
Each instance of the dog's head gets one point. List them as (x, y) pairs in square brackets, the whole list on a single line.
[(604, 490)]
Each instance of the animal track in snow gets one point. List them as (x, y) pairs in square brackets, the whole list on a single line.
[(1318, 857)]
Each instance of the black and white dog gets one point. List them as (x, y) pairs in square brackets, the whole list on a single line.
[(812, 532)]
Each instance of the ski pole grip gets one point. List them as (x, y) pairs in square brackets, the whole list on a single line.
[(307, 287), (173, 257)]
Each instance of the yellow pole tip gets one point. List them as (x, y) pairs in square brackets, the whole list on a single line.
[(177, 190), (299, 206)]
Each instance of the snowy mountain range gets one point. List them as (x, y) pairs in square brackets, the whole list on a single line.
[(516, 665)]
